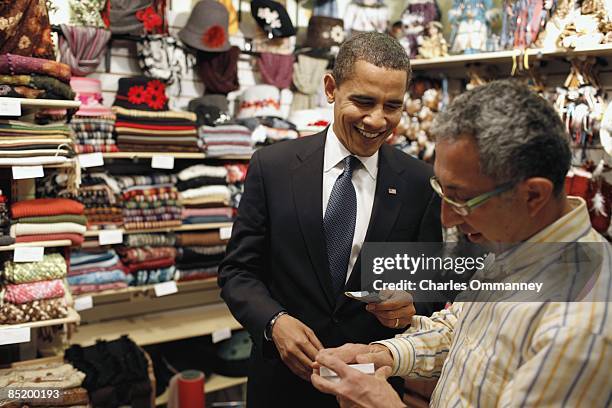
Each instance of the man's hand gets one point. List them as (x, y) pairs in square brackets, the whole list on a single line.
[(359, 353), (355, 388), (297, 345), (396, 311)]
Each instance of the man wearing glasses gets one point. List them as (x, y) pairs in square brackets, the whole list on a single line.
[(502, 154)]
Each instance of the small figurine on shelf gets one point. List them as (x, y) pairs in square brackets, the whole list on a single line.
[(470, 20), (415, 20), (434, 45)]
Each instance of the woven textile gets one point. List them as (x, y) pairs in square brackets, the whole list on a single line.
[(45, 206), (28, 292), (53, 266), (38, 310)]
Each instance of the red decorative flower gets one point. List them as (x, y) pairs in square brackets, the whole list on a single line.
[(150, 19), (156, 86), (214, 37), (136, 94), (156, 100)]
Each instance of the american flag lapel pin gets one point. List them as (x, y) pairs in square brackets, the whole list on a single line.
[(392, 191)]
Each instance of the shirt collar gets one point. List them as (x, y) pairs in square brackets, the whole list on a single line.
[(335, 152)]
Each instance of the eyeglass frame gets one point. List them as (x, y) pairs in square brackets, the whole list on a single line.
[(464, 209)]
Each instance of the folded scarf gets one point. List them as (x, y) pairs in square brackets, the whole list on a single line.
[(131, 255), (201, 170), (219, 199), (16, 64), (96, 148), (307, 75), (203, 191), (50, 85), (71, 218), (151, 224), (125, 182), (199, 182), (45, 206), (136, 240), (152, 264), (82, 47), (20, 229), (52, 266), (132, 147), (36, 311), (33, 161), (204, 212), (52, 375), (79, 289), (75, 239), (28, 292), (199, 238), (146, 277), (187, 255), (159, 132), (276, 69), (183, 275), (130, 126), (97, 278), (219, 70), (150, 114), (202, 250), (207, 219), (78, 258), (94, 268)]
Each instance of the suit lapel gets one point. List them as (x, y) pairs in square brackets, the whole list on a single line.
[(307, 180)]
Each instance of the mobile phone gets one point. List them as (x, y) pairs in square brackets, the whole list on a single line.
[(366, 297)]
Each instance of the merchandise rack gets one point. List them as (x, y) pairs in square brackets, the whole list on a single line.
[(180, 228), (45, 244)]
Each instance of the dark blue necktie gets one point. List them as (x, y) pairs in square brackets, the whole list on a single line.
[(339, 223)]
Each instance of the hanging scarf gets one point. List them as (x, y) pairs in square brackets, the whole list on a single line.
[(276, 69), (219, 70), (25, 29), (81, 48), (307, 77)]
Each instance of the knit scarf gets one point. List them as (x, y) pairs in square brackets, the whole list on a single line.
[(276, 69), (219, 71), (307, 75), (81, 48)]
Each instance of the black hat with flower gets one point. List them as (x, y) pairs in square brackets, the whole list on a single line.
[(142, 93), (273, 18), (207, 27)]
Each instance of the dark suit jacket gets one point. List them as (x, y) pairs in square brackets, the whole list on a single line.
[(276, 259)]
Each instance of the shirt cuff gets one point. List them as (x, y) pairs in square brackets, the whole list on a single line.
[(404, 355)]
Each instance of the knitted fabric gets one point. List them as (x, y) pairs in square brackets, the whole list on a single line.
[(55, 375), (130, 255), (276, 69), (16, 64), (153, 264), (77, 219), (82, 48), (28, 292), (97, 278), (41, 229), (199, 238), (45, 206), (75, 239), (38, 310), (78, 289), (307, 75), (136, 240), (201, 170), (53, 266), (152, 276)]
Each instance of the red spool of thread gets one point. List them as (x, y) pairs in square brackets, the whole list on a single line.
[(191, 389)]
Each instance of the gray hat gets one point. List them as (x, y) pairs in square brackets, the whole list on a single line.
[(123, 16), (207, 27)]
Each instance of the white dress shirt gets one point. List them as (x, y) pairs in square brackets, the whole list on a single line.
[(364, 180)]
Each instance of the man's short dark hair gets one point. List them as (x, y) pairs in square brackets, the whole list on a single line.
[(378, 49)]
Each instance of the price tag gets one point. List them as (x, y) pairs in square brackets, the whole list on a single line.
[(28, 254), (110, 237), (91, 160), (221, 334), (225, 232), (165, 288), (162, 162), (83, 303), (27, 172), (14, 335), (10, 107)]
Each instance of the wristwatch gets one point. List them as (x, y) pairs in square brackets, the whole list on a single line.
[(270, 326)]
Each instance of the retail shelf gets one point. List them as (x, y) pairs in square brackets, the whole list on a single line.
[(160, 327), (506, 57), (184, 227), (214, 383), (181, 286), (46, 244), (73, 317), (46, 103), (67, 164), (177, 155)]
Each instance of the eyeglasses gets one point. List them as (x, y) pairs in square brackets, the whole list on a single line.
[(464, 208)]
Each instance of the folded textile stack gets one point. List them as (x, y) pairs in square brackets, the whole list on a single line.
[(148, 265), (34, 78), (149, 201), (226, 140), (100, 200), (267, 130), (199, 255), (62, 378), (33, 291), (47, 219), (23, 143), (144, 122), (93, 124), (116, 373), (205, 194), (95, 271), (5, 222)]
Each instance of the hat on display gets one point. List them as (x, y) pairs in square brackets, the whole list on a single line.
[(309, 121), (218, 70), (207, 27), (136, 17), (259, 100), (324, 32), (280, 45), (211, 110), (276, 69), (89, 93), (273, 18), (141, 93)]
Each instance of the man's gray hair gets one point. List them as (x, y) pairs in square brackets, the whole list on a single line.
[(378, 49), (518, 133)]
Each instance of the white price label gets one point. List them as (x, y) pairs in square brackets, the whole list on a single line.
[(27, 172), (165, 288), (14, 335), (221, 334), (28, 254), (10, 107), (225, 232), (91, 160), (83, 303), (162, 162), (110, 237)]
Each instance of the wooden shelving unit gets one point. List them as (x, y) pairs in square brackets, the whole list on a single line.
[(46, 244), (181, 228), (177, 155), (73, 317), (46, 103)]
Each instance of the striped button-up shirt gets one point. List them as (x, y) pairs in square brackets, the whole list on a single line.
[(499, 354)]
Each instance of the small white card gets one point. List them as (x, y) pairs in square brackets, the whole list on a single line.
[(10, 107), (331, 375), (28, 254), (225, 232), (162, 162), (83, 303), (165, 288), (221, 334), (27, 172), (14, 335), (91, 160), (110, 237)]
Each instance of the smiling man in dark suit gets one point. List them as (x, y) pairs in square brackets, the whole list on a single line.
[(307, 208)]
